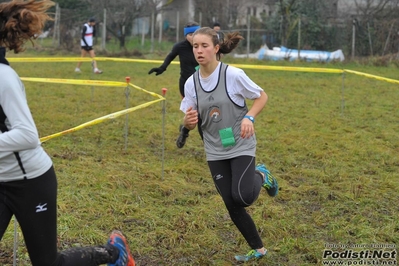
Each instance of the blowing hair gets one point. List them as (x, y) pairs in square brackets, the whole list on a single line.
[(21, 21), (227, 44)]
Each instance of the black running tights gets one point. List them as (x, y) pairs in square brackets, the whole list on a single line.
[(34, 204), (239, 185)]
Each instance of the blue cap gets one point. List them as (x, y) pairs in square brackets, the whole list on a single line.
[(190, 29)]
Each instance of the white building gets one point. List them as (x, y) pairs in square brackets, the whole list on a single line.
[(175, 11), (255, 9)]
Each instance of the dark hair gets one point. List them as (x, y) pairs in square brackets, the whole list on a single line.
[(92, 19), (228, 44), (215, 24), (191, 23), (22, 21)]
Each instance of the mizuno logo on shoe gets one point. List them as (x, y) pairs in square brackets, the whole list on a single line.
[(41, 207), (218, 176)]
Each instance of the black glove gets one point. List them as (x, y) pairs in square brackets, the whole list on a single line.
[(157, 70)]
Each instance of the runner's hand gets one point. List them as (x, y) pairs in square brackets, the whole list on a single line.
[(157, 70)]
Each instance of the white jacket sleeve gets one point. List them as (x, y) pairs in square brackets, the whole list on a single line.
[(22, 133)]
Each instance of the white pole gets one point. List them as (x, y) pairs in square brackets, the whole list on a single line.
[(164, 90), (152, 32), (343, 94), (299, 38), (386, 42), (127, 94), (353, 38), (59, 27), (15, 242), (142, 32), (280, 34), (160, 28), (248, 33), (370, 42), (55, 24), (104, 33)]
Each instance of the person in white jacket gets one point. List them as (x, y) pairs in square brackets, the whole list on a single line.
[(28, 183)]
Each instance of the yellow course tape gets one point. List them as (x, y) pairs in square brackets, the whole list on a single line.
[(91, 83), (86, 59), (284, 68), (99, 120), (49, 59), (77, 59), (81, 59), (95, 83), (148, 92), (372, 76), (78, 82), (260, 67), (160, 98)]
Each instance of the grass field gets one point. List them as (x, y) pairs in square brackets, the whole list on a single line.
[(332, 142)]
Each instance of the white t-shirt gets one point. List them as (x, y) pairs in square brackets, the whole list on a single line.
[(239, 87)]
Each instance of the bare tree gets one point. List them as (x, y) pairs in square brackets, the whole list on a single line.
[(288, 22), (155, 5), (375, 20), (223, 11), (120, 15), (376, 8)]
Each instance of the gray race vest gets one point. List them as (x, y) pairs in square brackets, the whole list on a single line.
[(217, 112)]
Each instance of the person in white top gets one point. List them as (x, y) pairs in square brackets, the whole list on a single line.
[(86, 43), (28, 183), (217, 94)]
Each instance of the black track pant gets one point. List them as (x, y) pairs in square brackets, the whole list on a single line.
[(182, 81), (239, 185), (34, 204)]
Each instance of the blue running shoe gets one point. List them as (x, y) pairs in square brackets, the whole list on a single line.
[(270, 183), (253, 254), (119, 241)]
